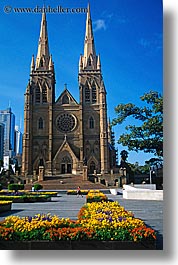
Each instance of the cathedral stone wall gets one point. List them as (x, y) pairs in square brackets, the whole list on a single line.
[(63, 135)]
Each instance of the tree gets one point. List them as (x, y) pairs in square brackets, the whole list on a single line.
[(123, 163), (148, 136), (124, 155), (136, 169), (157, 162)]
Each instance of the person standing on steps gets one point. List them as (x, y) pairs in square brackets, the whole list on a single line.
[(79, 192)]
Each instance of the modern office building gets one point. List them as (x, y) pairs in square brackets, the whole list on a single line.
[(7, 118), (18, 141), (1, 140)]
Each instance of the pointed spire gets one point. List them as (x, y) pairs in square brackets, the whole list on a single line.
[(98, 62), (89, 46), (88, 12), (51, 65), (32, 64), (80, 63), (42, 59)]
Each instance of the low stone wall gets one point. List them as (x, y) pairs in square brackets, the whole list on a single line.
[(114, 191), (145, 186), (5, 207), (133, 193), (77, 245)]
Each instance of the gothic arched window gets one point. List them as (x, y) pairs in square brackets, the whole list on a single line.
[(44, 94), (41, 62), (40, 123), (41, 162), (87, 93), (93, 94), (91, 123), (65, 99), (37, 95), (89, 61)]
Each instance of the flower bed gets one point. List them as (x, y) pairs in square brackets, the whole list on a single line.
[(95, 196), (28, 192), (74, 192), (5, 206), (112, 222), (5, 202), (103, 221), (50, 193), (25, 198)]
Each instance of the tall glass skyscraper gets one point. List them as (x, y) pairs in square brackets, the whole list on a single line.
[(1, 140), (7, 118), (18, 141)]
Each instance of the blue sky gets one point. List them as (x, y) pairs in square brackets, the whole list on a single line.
[(128, 36)]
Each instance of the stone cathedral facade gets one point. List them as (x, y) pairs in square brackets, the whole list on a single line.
[(63, 135)]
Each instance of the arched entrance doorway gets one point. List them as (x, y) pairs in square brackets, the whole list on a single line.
[(66, 165), (92, 167)]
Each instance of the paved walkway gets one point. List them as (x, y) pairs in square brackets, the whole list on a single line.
[(68, 206)]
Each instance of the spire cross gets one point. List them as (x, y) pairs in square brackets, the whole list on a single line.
[(44, 3)]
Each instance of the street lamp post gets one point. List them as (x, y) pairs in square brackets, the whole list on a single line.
[(150, 176), (151, 171), (123, 175)]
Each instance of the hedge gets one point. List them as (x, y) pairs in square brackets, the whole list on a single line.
[(37, 186), (15, 186)]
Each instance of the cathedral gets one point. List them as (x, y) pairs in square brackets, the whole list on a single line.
[(63, 135)]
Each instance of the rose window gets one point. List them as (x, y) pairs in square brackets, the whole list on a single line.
[(66, 122)]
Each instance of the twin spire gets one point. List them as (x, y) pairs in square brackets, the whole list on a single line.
[(89, 46), (89, 61), (43, 59)]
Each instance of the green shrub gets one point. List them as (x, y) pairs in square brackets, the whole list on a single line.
[(15, 186), (37, 186)]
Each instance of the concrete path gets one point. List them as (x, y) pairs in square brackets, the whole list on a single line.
[(68, 206)]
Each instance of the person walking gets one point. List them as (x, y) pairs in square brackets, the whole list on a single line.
[(79, 192)]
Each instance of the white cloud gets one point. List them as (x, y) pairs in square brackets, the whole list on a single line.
[(99, 24), (155, 42), (122, 20), (145, 43)]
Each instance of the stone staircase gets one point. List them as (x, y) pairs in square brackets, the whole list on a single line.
[(67, 182)]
